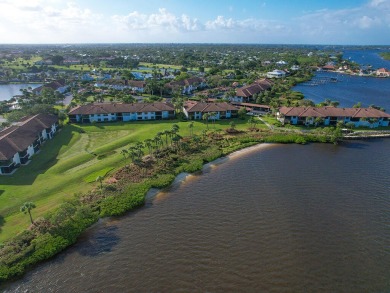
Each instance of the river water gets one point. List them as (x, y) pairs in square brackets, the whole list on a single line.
[(349, 90), (367, 57), (274, 218)]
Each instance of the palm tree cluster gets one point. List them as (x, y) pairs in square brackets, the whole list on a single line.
[(166, 138)]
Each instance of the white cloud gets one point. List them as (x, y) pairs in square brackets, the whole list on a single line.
[(161, 20), (366, 22), (345, 25), (221, 23), (54, 21)]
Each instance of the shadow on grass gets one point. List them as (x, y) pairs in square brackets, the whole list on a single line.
[(44, 160)]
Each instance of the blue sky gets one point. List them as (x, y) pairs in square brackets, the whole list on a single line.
[(365, 22)]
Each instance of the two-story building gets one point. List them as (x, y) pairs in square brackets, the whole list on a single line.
[(110, 112), (368, 117), (20, 142), (245, 94), (187, 86), (57, 85), (195, 110)]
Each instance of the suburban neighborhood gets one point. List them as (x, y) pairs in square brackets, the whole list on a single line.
[(86, 131)]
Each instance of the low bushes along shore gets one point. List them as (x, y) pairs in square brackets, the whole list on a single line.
[(126, 189)]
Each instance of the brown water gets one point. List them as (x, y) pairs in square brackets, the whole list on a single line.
[(278, 218)]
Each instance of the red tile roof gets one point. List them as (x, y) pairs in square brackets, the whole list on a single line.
[(105, 108), (333, 112), (137, 83), (254, 88), (185, 82), (210, 107), (53, 85), (17, 138)]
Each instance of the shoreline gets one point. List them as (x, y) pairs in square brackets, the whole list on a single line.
[(134, 196)]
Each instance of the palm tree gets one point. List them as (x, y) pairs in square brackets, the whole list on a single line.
[(191, 128), (196, 139), (252, 121), (318, 121), (157, 140), (350, 125), (148, 144), (213, 116), (176, 139), (139, 145), (340, 124), (124, 153), (133, 152), (206, 117), (167, 133), (175, 128), (100, 179), (204, 134), (26, 208)]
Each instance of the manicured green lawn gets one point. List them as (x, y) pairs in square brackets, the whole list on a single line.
[(151, 65), (77, 152)]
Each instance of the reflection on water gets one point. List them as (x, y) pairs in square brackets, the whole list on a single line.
[(280, 218)]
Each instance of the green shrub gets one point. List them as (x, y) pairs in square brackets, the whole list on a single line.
[(132, 197), (163, 180), (46, 246), (191, 167), (300, 140), (211, 154)]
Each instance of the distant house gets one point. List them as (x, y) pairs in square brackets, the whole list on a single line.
[(195, 110), (20, 142), (276, 74), (245, 93), (187, 86), (329, 67), (368, 117), (281, 63), (57, 85), (266, 63), (383, 72), (137, 85), (295, 67), (86, 77), (109, 112)]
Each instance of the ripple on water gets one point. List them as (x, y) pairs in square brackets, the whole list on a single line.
[(276, 219)]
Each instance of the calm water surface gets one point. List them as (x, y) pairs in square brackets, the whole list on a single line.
[(353, 89), (277, 218), (350, 90), (367, 57), (7, 91)]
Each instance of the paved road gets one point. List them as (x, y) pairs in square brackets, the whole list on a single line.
[(68, 99)]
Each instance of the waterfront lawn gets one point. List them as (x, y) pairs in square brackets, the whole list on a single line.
[(78, 151)]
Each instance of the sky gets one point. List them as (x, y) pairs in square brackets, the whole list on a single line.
[(338, 22)]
